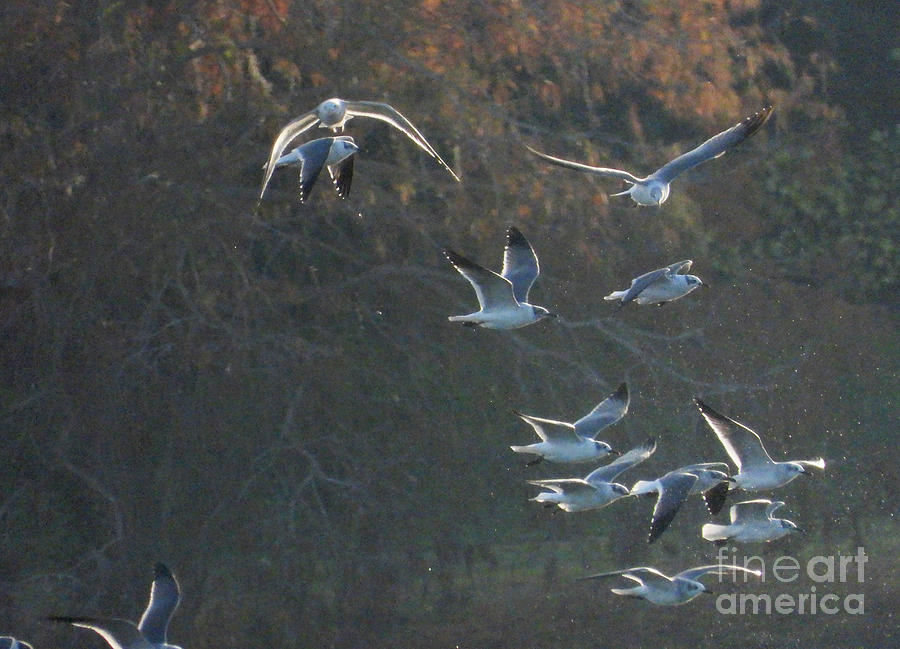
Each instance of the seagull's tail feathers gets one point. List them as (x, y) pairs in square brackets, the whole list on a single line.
[(714, 532), (615, 295), (547, 497), (627, 192), (623, 591), (521, 449), (467, 320)]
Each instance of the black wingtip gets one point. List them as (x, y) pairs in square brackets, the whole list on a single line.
[(756, 121), (161, 570), (715, 497), (514, 237)]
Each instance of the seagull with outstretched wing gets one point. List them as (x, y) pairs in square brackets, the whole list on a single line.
[(654, 189), (333, 113)]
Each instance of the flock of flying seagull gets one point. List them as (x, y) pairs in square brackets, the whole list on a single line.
[(503, 304)]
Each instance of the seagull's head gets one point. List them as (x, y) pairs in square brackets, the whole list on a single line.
[(604, 448), (331, 113), (790, 526), (540, 313), (341, 149), (620, 489), (692, 282), (695, 588), (797, 469), (659, 194), (721, 476)]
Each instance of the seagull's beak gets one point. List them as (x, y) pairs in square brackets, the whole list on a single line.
[(704, 285), (730, 479), (708, 592), (550, 314), (613, 451)]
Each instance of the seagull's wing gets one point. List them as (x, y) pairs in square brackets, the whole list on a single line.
[(572, 486), (675, 488), (719, 568), (818, 463), (389, 114), (520, 264), (638, 284), (9, 642), (605, 413), (600, 171), (772, 507), (313, 156), (705, 466), (285, 137), (118, 633), (164, 597), (714, 497), (680, 267), (714, 146), (494, 292), (342, 175), (550, 430), (743, 446), (609, 472), (641, 575), (751, 510)]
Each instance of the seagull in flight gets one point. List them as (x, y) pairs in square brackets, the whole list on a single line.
[(756, 470), (334, 113), (565, 442), (335, 153), (657, 588), (659, 286), (503, 298), (654, 189), (751, 521), (150, 632), (597, 488), (710, 479)]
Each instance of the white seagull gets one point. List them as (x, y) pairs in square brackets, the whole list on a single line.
[(9, 642), (657, 588), (150, 632), (503, 298), (756, 470), (333, 113), (597, 488), (335, 153), (672, 489), (565, 442), (751, 521), (659, 286), (654, 189)]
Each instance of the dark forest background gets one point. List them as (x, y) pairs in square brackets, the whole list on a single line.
[(273, 403)]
